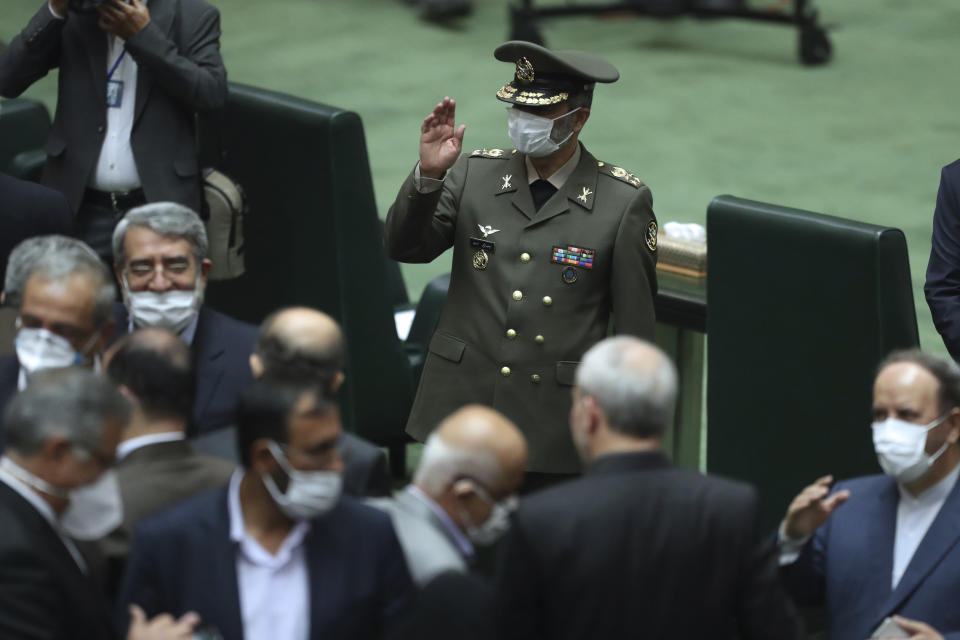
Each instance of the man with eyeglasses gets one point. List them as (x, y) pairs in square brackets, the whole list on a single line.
[(881, 552), (279, 552), (56, 487), (462, 493), (161, 264), (64, 297)]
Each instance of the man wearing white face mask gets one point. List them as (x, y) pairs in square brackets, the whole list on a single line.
[(549, 245), (890, 550), (462, 493), (64, 296), (278, 553), (160, 252), (56, 485)]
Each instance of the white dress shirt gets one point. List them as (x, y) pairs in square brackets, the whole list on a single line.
[(274, 589), (127, 447), (9, 470), (914, 517)]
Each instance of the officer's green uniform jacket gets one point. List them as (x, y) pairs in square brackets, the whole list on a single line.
[(511, 334)]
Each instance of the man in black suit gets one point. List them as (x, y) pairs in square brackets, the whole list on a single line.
[(300, 345), (637, 547), (64, 296), (278, 553), (943, 269), (130, 81), (27, 210), (55, 485), (161, 263)]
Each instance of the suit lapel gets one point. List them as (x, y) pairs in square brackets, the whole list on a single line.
[(324, 573), (940, 538), (95, 48), (578, 191), (207, 350), (162, 15), (223, 568)]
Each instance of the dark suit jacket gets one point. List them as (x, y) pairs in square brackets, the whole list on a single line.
[(183, 560), (221, 353), (157, 476), (942, 288), (848, 564), (511, 333), (638, 548), (9, 373), (180, 71), (27, 210), (43, 593)]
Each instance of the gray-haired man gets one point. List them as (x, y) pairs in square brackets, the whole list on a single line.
[(56, 485), (64, 296), (637, 546), (160, 260)]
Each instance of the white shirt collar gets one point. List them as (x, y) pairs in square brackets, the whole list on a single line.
[(249, 547), (186, 335), (8, 471), (127, 447), (559, 177), (936, 494)]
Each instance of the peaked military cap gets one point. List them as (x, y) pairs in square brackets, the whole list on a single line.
[(544, 77)]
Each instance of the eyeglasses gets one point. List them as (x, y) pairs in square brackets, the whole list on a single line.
[(146, 269)]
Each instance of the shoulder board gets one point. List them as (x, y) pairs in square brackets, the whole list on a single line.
[(620, 174), (488, 153)]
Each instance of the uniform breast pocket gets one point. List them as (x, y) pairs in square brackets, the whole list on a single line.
[(566, 372), (447, 347)]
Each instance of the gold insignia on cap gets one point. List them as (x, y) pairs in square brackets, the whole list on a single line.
[(652, 235), (525, 73)]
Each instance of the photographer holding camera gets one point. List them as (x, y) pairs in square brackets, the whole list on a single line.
[(132, 75)]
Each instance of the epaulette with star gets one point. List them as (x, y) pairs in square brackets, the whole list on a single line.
[(620, 174), (488, 153)]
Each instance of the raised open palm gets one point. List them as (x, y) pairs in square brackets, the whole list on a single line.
[(440, 142)]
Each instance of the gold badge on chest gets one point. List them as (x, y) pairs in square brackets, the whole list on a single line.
[(480, 260)]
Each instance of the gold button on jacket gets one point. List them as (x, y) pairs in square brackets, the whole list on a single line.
[(466, 355)]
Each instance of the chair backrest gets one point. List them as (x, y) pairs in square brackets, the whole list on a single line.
[(801, 307), (313, 238), (24, 126)]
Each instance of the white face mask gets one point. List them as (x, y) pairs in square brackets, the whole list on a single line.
[(309, 493), (531, 134), (901, 447), (41, 349), (172, 310), (487, 533), (95, 509)]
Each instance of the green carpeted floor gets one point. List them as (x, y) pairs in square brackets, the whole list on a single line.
[(703, 108)]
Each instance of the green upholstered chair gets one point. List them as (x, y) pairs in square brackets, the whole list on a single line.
[(801, 307), (313, 238), (24, 126)]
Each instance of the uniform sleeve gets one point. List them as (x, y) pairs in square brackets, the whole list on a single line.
[(194, 75), (942, 288), (28, 604), (763, 609), (518, 587), (420, 226), (31, 53), (634, 277)]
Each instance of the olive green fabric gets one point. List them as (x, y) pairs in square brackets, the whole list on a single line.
[(313, 238), (513, 328), (24, 125), (801, 307)]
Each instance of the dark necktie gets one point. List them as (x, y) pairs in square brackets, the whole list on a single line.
[(541, 190)]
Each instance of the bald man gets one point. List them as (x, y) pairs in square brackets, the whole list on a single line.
[(462, 493), (299, 345)]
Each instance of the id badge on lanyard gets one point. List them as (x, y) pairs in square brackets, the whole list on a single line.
[(115, 87)]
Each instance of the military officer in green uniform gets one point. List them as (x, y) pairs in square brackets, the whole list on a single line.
[(548, 244)]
